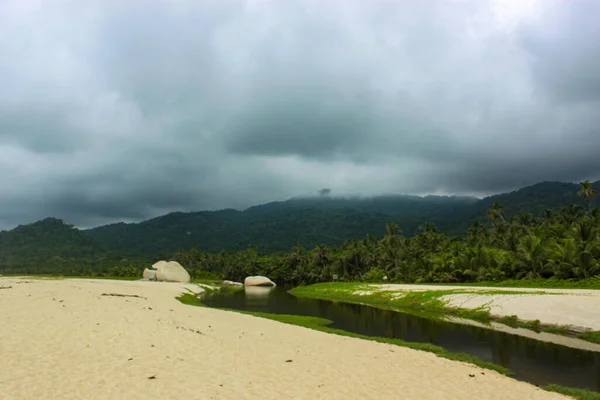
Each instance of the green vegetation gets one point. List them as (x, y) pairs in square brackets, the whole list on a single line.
[(591, 336), (276, 227), (560, 248), (426, 302), (51, 247), (579, 394), (321, 324), (429, 304)]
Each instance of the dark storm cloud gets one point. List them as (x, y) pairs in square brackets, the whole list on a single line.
[(116, 111), (567, 58)]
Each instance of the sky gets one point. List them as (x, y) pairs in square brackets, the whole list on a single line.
[(123, 110)]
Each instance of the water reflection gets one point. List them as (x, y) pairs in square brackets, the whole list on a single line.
[(257, 296), (258, 292), (531, 360)]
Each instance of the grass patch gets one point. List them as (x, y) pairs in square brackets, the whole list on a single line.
[(579, 394), (207, 281), (533, 325), (321, 324), (511, 321), (593, 336), (429, 304)]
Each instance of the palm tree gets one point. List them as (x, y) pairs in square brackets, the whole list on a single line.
[(392, 232), (531, 258), (393, 244), (496, 212), (477, 232), (587, 192)]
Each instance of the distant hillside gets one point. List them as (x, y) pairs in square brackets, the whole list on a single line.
[(51, 240), (273, 227), (52, 246), (401, 205), (232, 230), (532, 199), (277, 226)]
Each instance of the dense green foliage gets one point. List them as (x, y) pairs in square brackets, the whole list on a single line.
[(50, 246), (278, 226), (563, 244), (431, 304)]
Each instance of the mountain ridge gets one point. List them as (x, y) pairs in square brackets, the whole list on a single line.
[(276, 226)]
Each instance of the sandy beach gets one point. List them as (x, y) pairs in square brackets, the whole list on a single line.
[(64, 339)]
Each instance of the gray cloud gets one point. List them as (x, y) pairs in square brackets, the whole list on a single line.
[(110, 111)]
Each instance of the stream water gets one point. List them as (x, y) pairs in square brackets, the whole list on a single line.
[(531, 360)]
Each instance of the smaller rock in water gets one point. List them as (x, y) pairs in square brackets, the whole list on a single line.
[(231, 283), (258, 281)]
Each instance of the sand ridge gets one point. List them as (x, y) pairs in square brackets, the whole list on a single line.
[(576, 307), (61, 339)]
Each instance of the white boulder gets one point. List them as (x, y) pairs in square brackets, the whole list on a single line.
[(171, 271), (231, 283), (149, 274), (258, 281), (159, 264)]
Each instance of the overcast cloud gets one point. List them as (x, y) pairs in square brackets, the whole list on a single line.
[(124, 110)]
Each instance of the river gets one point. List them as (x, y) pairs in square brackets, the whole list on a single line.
[(531, 360)]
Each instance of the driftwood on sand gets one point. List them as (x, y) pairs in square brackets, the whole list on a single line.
[(122, 295)]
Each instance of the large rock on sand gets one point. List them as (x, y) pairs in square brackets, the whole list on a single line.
[(171, 271), (258, 281), (159, 265), (149, 274)]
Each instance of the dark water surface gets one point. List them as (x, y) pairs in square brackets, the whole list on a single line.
[(531, 360)]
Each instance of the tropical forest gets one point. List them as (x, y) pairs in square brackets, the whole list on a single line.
[(551, 243)]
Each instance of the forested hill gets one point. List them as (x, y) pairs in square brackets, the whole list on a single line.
[(52, 244), (533, 200), (278, 226), (48, 242)]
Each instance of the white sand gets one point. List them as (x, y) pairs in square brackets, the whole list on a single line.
[(579, 308), (63, 340)]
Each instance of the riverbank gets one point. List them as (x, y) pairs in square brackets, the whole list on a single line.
[(67, 339), (572, 313)]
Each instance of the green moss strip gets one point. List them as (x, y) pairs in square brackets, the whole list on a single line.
[(429, 304), (321, 324), (579, 394)]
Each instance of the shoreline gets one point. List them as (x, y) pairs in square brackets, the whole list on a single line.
[(64, 339), (560, 313)]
